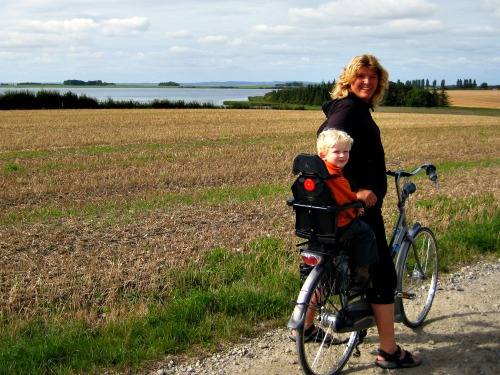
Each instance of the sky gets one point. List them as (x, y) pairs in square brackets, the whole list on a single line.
[(132, 41)]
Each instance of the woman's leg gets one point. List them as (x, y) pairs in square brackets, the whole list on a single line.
[(384, 316), (384, 279)]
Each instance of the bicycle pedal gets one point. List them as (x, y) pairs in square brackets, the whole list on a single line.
[(406, 295)]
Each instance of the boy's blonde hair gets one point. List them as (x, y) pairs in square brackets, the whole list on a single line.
[(329, 138)]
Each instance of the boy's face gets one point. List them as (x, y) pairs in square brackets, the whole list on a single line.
[(338, 155)]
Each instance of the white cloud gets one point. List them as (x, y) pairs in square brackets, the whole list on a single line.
[(411, 27), (178, 34), (371, 11), (76, 25), (479, 30), (179, 50), (43, 40), (126, 26), (492, 6), (214, 39), (268, 29)]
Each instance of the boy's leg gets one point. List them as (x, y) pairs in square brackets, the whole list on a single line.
[(364, 245)]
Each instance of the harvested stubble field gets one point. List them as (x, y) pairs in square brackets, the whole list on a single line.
[(474, 98), (99, 207)]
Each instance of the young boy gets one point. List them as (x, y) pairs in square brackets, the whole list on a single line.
[(334, 147)]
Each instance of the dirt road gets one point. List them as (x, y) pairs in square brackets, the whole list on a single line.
[(461, 335)]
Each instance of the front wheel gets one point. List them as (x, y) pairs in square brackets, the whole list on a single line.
[(417, 277), (316, 355)]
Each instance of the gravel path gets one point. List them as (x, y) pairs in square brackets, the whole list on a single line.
[(461, 335)]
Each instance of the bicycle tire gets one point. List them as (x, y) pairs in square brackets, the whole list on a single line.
[(317, 358), (420, 282)]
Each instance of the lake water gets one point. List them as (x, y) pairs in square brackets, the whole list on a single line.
[(216, 96)]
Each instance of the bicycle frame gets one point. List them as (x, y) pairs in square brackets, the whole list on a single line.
[(402, 238)]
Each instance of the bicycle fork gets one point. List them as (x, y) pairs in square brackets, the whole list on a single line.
[(407, 245)]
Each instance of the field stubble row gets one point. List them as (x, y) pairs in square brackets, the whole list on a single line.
[(98, 207)]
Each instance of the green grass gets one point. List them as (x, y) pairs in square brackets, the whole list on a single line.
[(214, 299), (468, 234), (450, 167)]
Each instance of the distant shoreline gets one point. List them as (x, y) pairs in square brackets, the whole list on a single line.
[(126, 86)]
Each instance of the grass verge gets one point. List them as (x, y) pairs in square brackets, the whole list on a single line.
[(213, 299), (464, 233)]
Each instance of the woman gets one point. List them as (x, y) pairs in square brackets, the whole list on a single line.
[(361, 87)]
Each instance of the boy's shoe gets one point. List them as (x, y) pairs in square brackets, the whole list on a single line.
[(315, 334)]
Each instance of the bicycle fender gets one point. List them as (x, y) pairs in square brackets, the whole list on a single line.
[(297, 318), (414, 229)]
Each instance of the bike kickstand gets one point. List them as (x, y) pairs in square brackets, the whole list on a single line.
[(361, 337)]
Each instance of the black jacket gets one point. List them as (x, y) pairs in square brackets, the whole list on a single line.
[(366, 167)]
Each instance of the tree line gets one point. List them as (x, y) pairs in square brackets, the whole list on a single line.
[(417, 93), (169, 84), (52, 99), (77, 82)]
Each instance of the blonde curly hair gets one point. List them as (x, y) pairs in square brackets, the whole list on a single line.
[(343, 86), (330, 138)]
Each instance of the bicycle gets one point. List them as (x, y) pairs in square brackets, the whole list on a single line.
[(342, 313)]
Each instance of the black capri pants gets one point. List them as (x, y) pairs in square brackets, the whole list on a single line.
[(382, 273)]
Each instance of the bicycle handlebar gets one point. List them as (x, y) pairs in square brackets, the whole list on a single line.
[(430, 170)]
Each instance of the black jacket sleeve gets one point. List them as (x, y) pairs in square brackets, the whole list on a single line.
[(366, 166)]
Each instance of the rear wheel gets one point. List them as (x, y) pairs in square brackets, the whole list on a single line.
[(316, 356), (418, 277)]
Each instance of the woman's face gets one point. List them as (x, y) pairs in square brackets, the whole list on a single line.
[(365, 84)]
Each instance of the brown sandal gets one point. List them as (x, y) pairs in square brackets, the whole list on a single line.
[(394, 361)]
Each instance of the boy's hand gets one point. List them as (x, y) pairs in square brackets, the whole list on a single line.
[(367, 196)]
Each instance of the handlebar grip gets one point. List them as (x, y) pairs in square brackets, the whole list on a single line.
[(431, 172)]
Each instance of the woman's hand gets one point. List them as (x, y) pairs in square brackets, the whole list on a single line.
[(367, 196)]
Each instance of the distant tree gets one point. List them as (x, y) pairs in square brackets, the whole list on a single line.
[(443, 100), (443, 84), (169, 83), (74, 82), (483, 86), (294, 84), (395, 94), (313, 95), (77, 82), (426, 98)]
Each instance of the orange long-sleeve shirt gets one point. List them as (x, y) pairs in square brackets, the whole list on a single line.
[(342, 193)]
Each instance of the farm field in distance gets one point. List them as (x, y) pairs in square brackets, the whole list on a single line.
[(474, 98), (100, 207)]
